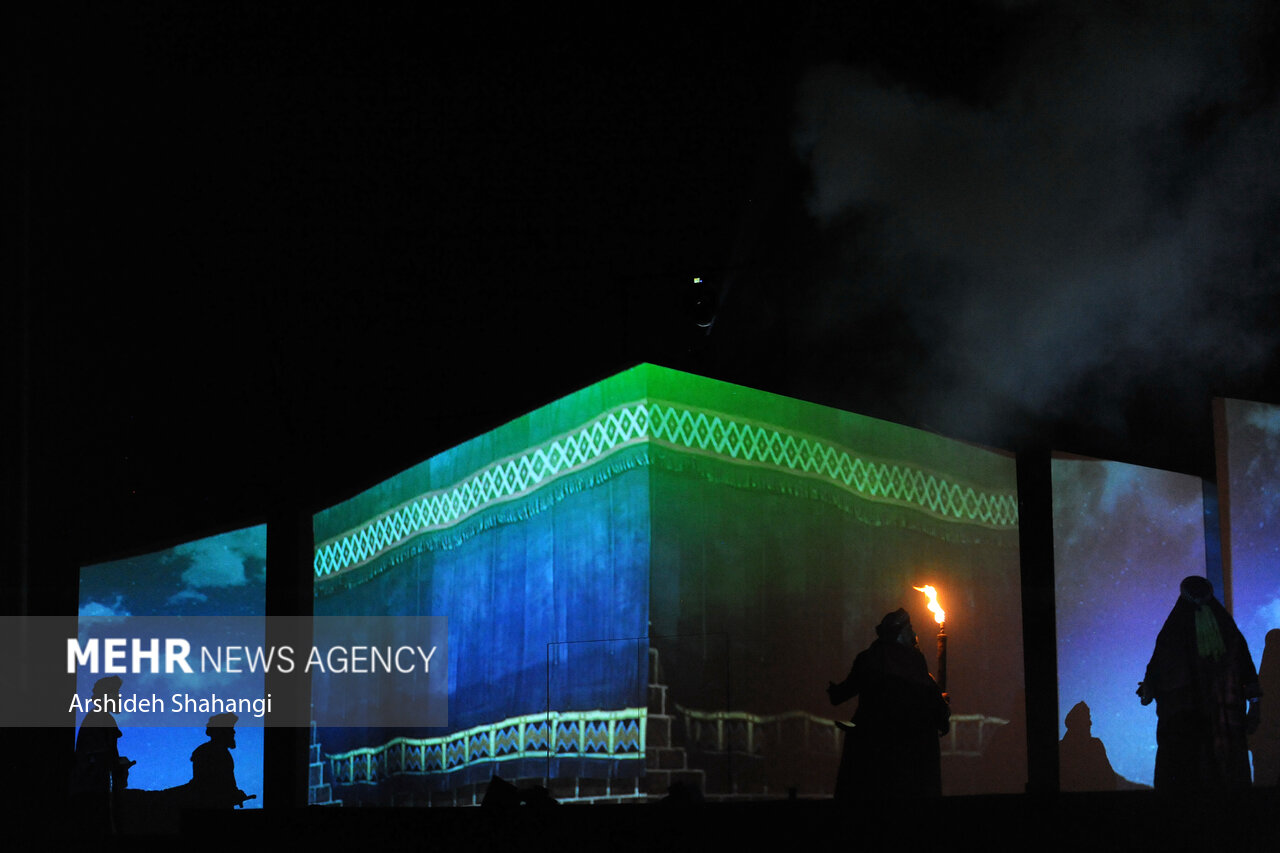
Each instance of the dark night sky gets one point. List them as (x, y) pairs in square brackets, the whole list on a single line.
[(274, 255)]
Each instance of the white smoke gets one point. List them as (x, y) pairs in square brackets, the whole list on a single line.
[(1076, 236)]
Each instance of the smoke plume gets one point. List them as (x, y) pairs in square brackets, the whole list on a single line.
[(1099, 222)]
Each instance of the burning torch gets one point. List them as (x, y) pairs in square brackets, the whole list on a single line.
[(940, 617)]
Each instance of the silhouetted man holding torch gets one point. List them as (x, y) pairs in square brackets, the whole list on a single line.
[(892, 749)]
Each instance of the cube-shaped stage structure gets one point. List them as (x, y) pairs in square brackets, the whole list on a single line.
[(652, 581)]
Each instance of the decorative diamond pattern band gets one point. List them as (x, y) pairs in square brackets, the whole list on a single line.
[(559, 734), (682, 428)]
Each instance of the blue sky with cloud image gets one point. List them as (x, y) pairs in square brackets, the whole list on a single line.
[(1124, 538), (223, 575)]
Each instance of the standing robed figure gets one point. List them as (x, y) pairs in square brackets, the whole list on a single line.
[(1201, 677)]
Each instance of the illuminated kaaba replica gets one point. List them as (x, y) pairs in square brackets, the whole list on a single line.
[(653, 579)]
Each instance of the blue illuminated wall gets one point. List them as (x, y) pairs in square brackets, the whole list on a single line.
[(1124, 538), (1250, 484), (533, 542), (222, 575), (1253, 482), (658, 575)]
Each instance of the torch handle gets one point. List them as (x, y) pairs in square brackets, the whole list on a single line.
[(942, 659)]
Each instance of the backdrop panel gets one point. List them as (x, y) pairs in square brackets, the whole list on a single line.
[(1250, 488), (1124, 538), (223, 575)]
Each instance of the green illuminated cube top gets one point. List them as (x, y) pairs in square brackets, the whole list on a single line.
[(893, 474)]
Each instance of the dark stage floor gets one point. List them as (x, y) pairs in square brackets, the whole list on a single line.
[(1083, 822)]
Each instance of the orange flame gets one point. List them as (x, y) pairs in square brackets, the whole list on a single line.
[(939, 615)]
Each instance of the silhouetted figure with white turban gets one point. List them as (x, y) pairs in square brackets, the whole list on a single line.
[(213, 771)]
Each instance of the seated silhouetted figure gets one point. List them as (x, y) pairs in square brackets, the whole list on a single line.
[(1083, 757), (893, 748), (213, 771)]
